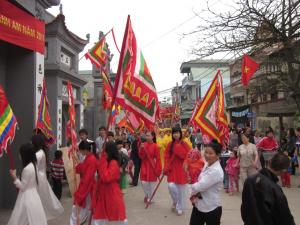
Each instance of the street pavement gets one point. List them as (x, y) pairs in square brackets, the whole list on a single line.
[(159, 213)]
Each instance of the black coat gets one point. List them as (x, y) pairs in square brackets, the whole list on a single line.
[(134, 156), (263, 201)]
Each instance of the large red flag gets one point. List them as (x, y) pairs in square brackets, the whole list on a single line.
[(249, 67), (134, 88), (43, 122)]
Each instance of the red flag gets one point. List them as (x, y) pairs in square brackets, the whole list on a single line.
[(249, 67), (43, 122), (134, 88), (107, 92)]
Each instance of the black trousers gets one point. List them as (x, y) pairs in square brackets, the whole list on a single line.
[(57, 187), (209, 218), (136, 174)]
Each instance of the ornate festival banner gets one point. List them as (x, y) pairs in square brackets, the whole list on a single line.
[(20, 28)]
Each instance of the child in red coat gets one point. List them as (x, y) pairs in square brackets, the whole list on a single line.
[(286, 176), (82, 196), (108, 200), (232, 170)]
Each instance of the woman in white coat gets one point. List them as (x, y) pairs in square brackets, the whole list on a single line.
[(28, 207), (51, 204)]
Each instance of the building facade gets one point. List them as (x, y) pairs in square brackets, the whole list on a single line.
[(22, 70), (263, 103), (198, 76), (61, 65), (21, 75)]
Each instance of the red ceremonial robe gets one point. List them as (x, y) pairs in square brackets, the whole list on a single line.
[(86, 170), (109, 200), (174, 163), (151, 163)]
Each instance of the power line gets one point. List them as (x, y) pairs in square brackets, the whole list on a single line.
[(176, 27), (170, 31)]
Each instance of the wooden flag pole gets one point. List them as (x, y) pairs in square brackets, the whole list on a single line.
[(12, 165), (155, 190)]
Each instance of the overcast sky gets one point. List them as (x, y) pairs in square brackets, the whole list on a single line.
[(158, 26)]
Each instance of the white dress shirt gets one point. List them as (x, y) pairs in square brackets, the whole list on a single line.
[(210, 182)]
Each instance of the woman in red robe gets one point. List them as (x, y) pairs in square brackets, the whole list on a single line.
[(82, 196), (151, 165), (108, 200), (175, 156)]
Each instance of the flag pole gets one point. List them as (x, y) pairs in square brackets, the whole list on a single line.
[(155, 190), (11, 158)]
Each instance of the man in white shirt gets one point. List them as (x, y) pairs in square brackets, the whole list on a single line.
[(101, 139), (83, 136)]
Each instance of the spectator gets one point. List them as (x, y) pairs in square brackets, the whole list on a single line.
[(83, 135), (134, 156), (249, 132), (100, 139), (263, 201), (124, 162), (110, 136), (199, 139), (248, 158), (233, 139), (117, 133), (257, 137), (268, 147), (291, 143), (298, 140), (57, 173)]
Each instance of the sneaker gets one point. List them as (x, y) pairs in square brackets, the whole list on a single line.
[(179, 212), (150, 202)]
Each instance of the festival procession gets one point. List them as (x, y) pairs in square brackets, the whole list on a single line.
[(139, 113)]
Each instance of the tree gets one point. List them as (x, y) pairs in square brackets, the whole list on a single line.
[(252, 26)]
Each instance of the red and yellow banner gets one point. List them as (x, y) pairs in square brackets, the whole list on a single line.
[(20, 28)]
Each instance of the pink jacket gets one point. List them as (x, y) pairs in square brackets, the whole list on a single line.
[(232, 167)]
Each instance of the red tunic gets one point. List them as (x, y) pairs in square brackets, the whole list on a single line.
[(151, 163), (86, 170), (109, 200), (174, 163)]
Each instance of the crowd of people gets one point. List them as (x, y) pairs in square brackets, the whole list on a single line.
[(193, 170)]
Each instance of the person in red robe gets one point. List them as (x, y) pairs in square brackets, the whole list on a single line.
[(108, 202), (82, 196), (151, 165), (175, 155)]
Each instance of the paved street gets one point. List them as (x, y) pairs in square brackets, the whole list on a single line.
[(159, 213)]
